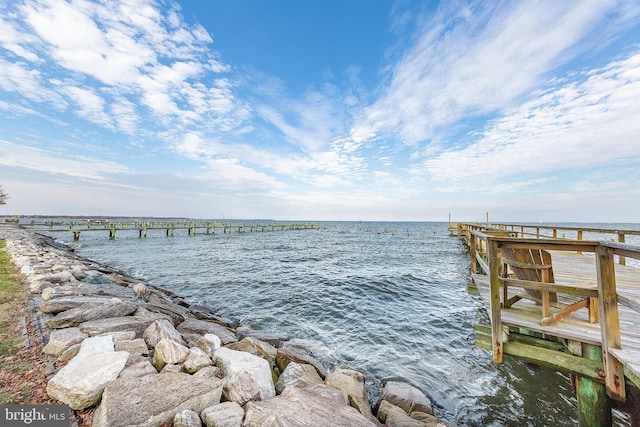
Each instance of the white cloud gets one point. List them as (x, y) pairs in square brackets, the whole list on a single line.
[(475, 60), (136, 52), (90, 105), (37, 160), (577, 125)]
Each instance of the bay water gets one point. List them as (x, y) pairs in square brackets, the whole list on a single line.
[(388, 299)]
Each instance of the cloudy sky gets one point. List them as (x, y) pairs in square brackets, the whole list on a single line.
[(345, 110)]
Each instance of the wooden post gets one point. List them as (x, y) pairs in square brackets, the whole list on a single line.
[(621, 260), (594, 406), (76, 235), (580, 238), (496, 320), (474, 249), (609, 322)]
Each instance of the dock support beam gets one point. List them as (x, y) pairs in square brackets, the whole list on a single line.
[(594, 406), (496, 319)]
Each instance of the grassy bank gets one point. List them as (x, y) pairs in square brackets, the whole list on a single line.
[(22, 378)]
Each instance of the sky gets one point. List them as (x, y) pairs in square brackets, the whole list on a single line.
[(322, 110)]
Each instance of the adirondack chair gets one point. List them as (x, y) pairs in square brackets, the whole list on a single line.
[(532, 270)]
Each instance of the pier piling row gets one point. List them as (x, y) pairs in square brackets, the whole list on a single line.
[(192, 228)]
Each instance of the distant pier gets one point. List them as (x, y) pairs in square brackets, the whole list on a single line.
[(569, 304), (169, 227)]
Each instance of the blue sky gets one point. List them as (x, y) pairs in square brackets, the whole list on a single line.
[(328, 110)]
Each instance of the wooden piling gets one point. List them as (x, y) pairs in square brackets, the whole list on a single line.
[(594, 406)]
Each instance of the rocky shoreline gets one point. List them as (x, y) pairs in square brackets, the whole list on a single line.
[(149, 358)]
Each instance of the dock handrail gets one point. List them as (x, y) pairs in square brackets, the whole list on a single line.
[(485, 244)]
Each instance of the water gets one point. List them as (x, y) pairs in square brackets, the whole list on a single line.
[(387, 299)]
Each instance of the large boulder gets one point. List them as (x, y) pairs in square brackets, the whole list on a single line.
[(91, 311), (405, 396), (202, 327), (187, 418), (137, 323), (196, 360), (159, 330), (256, 347), (169, 352), (56, 305), (394, 416), (294, 354), (139, 369), (226, 414), (93, 345), (135, 347), (208, 343), (62, 339), (154, 400), (81, 382), (352, 383), (247, 377), (301, 407), (297, 375)]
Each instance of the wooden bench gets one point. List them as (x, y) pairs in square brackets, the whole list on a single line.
[(532, 270)]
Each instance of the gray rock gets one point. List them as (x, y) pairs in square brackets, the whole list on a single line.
[(137, 323), (297, 375), (202, 327), (80, 383), (405, 396), (187, 418), (140, 369), (62, 339), (56, 305), (429, 420), (159, 330), (39, 286), (338, 396), (69, 353), (209, 372), (171, 368), (60, 277), (247, 377), (294, 354), (300, 407), (137, 346), (169, 352), (272, 338), (153, 400), (393, 416), (208, 343), (196, 360), (351, 382), (226, 414), (91, 311)]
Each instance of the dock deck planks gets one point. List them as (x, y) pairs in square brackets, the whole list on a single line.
[(576, 268)]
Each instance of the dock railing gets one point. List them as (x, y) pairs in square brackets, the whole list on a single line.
[(485, 244)]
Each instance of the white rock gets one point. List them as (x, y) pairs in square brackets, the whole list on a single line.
[(80, 383), (247, 377)]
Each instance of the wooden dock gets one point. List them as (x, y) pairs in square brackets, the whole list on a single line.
[(169, 227), (603, 357)]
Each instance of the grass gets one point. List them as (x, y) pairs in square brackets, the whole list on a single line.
[(22, 378)]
